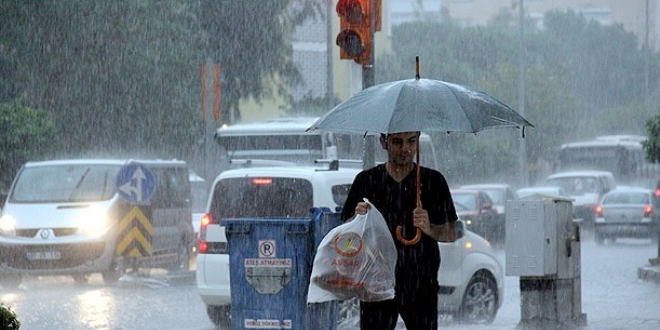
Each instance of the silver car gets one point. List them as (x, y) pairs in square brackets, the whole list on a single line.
[(626, 212)]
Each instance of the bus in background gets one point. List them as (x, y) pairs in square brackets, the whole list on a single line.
[(623, 155), (285, 141)]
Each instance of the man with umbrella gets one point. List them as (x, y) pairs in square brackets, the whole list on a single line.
[(419, 202), (415, 201)]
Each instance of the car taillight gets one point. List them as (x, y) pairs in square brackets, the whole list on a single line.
[(202, 247), (647, 211), (656, 192), (599, 210), (210, 245), (206, 220)]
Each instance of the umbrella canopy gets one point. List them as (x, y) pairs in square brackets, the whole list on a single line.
[(419, 105)]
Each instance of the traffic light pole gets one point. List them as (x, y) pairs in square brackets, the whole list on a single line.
[(369, 157), (368, 80), (358, 21)]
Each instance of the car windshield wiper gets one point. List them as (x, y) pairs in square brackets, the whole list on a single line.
[(78, 184)]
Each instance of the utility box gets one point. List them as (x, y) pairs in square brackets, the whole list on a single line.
[(536, 233), (270, 263), (543, 248)]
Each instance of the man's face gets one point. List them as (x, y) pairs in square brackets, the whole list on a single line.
[(401, 147)]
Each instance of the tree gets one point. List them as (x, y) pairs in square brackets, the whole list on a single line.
[(251, 39), (483, 58), (26, 134), (652, 144), (122, 78), (570, 92)]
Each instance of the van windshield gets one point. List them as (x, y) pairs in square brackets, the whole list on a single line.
[(575, 185), (65, 183)]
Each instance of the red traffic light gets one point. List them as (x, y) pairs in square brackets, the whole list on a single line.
[(355, 38), (351, 10), (351, 44)]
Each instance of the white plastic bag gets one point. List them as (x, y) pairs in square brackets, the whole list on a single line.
[(355, 260)]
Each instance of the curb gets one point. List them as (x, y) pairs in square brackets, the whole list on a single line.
[(649, 274)]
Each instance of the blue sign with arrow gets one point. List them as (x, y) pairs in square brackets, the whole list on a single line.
[(135, 183)]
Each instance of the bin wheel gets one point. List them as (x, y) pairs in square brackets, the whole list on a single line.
[(479, 304), (220, 316)]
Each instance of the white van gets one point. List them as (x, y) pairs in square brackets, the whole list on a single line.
[(586, 188), (64, 217)]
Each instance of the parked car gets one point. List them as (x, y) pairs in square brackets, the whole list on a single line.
[(471, 275), (626, 212), (476, 208), (586, 188), (499, 193), (472, 204), (552, 191)]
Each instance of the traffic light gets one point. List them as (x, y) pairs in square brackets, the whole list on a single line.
[(355, 38)]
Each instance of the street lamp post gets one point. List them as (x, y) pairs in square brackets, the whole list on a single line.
[(521, 94)]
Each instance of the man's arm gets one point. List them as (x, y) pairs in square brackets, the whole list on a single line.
[(443, 233)]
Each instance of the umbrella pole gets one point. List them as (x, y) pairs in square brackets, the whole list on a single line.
[(417, 179), (418, 191)]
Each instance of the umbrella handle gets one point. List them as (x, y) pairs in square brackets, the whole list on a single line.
[(400, 238), (418, 234)]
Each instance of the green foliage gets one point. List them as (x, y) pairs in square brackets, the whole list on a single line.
[(122, 78), (652, 145), (251, 49), (582, 79), (8, 319), (26, 134)]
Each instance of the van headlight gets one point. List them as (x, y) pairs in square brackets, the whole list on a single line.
[(94, 222), (7, 225)]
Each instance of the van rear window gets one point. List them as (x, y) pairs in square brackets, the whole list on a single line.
[(262, 197)]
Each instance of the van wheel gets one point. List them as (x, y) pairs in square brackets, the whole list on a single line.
[(220, 316), (81, 278), (117, 270), (182, 260), (10, 281)]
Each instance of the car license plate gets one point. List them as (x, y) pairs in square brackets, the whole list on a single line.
[(44, 255)]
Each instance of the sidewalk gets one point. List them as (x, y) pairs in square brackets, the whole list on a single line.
[(650, 272)]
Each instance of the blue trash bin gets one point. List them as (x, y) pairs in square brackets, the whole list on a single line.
[(270, 264)]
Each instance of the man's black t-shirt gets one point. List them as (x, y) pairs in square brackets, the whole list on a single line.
[(396, 201)]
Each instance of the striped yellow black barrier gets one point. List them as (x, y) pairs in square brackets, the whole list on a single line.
[(135, 234)]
